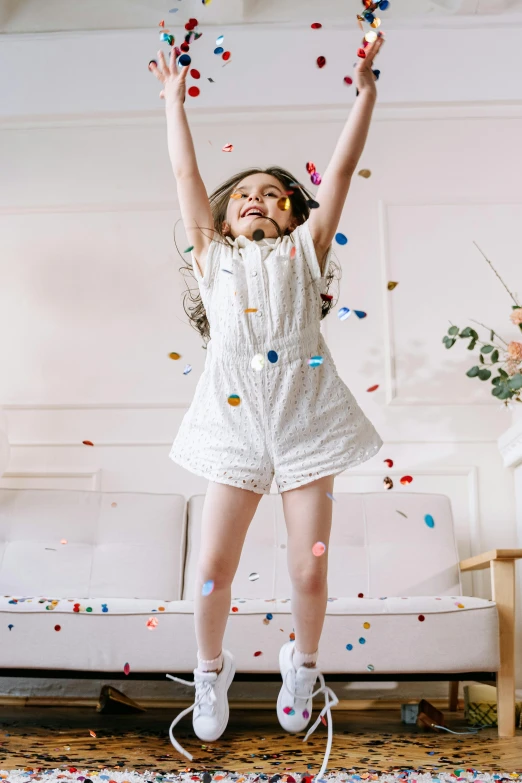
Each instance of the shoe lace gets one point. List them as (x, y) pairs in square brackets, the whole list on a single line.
[(205, 700), (330, 700)]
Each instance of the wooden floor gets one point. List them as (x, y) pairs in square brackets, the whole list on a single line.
[(49, 737)]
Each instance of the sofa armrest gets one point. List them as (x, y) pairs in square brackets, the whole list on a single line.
[(484, 560)]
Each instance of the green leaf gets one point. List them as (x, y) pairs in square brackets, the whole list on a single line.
[(515, 383), (488, 348), (473, 372), (497, 391), (472, 344), (453, 330), (492, 335), (449, 341), (465, 332), (494, 356), (503, 373), (484, 375), (505, 394), (496, 380), (482, 359), (474, 334)]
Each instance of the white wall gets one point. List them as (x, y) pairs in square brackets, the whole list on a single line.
[(90, 300)]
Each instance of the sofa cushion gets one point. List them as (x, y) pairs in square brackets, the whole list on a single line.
[(456, 634), (374, 549), (119, 544)]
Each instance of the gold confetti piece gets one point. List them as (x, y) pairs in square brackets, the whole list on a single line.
[(365, 173), (366, 625), (87, 443), (174, 355), (284, 203), (92, 733), (228, 148), (236, 195), (234, 400), (388, 483), (250, 309), (392, 285)]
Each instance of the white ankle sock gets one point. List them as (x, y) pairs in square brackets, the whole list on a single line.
[(214, 665), (299, 658)]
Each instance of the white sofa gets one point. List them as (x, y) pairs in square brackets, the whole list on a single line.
[(396, 611)]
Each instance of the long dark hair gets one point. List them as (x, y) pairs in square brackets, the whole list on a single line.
[(219, 200)]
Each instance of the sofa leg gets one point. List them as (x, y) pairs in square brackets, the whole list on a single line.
[(503, 591), (453, 698)]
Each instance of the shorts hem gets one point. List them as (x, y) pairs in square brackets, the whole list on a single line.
[(218, 479), (333, 471)]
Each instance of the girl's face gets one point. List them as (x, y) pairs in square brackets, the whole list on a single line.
[(254, 199)]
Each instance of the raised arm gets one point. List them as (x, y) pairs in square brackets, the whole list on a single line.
[(192, 195), (332, 192)]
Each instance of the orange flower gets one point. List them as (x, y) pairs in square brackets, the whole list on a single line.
[(515, 351), (516, 316)]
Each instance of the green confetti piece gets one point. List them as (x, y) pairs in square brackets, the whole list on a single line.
[(189, 249)]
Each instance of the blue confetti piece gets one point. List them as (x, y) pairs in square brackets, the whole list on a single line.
[(341, 239), (429, 520), (360, 313), (218, 50), (272, 357), (349, 646), (344, 313)]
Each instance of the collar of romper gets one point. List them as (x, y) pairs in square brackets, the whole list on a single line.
[(242, 242)]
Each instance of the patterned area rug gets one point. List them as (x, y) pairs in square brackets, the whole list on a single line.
[(187, 776)]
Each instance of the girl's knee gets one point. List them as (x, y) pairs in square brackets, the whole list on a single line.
[(311, 580)]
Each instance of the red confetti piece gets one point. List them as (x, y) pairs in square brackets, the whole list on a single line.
[(162, 23), (92, 733), (361, 53), (235, 609), (228, 148), (226, 56), (185, 47), (321, 62), (373, 388), (406, 480), (193, 22), (256, 654), (323, 719), (126, 668), (195, 74), (57, 627), (293, 252), (193, 92), (421, 618), (87, 443), (316, 26), (310, 167), (360, 595), (292, 637), (326, 297), (348, 80), (389, 462)]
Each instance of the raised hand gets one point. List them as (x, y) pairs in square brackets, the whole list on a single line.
[(364, 77), (173, 80)]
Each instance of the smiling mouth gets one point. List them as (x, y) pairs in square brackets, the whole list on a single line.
[(254, 213)]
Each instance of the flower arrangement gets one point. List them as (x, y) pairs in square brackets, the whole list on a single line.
[(507, 384)]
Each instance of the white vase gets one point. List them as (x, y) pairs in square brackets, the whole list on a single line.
[(5, 448)]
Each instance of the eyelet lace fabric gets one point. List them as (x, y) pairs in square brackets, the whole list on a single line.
[(294, 422)]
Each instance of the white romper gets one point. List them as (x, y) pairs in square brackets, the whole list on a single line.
[(295, 421)]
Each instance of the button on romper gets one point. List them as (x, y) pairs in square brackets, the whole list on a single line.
[(294, 421)]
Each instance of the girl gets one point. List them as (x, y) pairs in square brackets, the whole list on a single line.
[(260, 408)]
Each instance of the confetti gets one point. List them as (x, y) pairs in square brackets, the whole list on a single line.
[(370, 667), (361, 53), (253, 577), (392, 285), (312, 204), (316, 178), (189, 249), (152, 623), (388, 483), (389, 462), (284, 203), (187, 369), (341, 239), (289, 710), (272, 356), (349, 646), (326, 297), (365, 173), (174, 355), (173, 10), (293, 253), (366, 625), (207, 588), (234, 400), (92, 733), (316, 25), (373, 388), (251, 310), (258, 362), (429, 520), (228, 148), (258, 235), (421, 618), (226, 56), (360, 313), (195, 74), (348, 80), (310, 167), (184, 59), (318, 549), (57, 627), (344, 313), (63, 541), (211, 80), (321, 62), (315, 361), (329, 495), (257, 654), (401, 513), (406, 480), (126, 668), (87, 443), (218, 50), (193, 92)]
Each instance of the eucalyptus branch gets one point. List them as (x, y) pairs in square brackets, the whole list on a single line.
[(497, 274), (491, 330)]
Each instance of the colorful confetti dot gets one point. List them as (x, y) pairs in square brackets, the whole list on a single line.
[(406, 480), (184, 59), (349, 646), (187, 369), (388, 483), (228, 148), (272, 357), (389, 462), (193, 92), (429, 520), (207, 588), (316, 26), (391, 285), (344, 313), (253, 577), (87, 443), (365, 173), (174, 355), (373, 388), (258, 362), (318, 549), (195, 73), (341, 239), (152, 623), (234, 400), (321, 62), (126, 668), (315, 361), (348, 80)]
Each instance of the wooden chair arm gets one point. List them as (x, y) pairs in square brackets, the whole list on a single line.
[(484, 560)]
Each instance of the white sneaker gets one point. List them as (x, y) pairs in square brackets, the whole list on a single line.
[(294, 703), (210, 706)]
